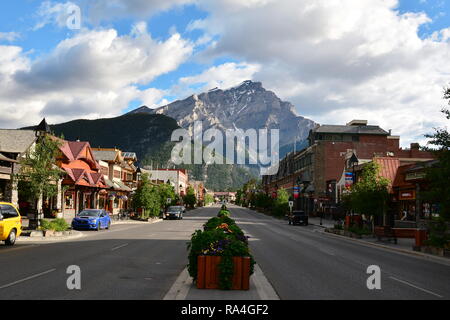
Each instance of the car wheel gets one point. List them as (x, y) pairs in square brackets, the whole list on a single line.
[(109, 225), (290, 222), (11, 238), (98, 226)]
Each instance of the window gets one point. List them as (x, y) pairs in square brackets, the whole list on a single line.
[(355, 138), (8, 211), (68, 200)]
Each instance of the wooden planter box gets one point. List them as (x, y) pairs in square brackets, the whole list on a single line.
[(208, 272)]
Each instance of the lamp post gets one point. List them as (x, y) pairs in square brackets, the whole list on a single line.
[(353, 162)]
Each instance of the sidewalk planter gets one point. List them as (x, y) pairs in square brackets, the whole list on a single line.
[(208, 272), (219, 255)]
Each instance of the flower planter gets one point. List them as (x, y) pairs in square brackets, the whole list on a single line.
[(208, 272)]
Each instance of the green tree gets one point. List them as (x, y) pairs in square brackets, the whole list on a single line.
[(190, 199), (208, 199), (147, 198), (370, 194), (166, 191), (438, 176), (39, 172), (281, 203)]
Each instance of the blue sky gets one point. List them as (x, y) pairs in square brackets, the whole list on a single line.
[(222, 43)]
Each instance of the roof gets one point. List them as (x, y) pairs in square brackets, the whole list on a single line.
[(72, 150), (3, 158), (388, 168), (375, 130), (129, 155), (43, 126), (105, 155), (16, 141)]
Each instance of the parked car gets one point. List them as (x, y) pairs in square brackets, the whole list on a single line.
[(10, 223), (92, 219), (298, 217), (175, 212)]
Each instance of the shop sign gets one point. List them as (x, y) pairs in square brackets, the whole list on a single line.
[(407, 195), (415, 176)]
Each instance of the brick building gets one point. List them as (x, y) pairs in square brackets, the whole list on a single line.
[(312, 175)]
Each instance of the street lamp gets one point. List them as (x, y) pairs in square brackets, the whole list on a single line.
[(353, 162)]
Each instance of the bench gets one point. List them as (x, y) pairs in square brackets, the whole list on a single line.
[(385, 232)]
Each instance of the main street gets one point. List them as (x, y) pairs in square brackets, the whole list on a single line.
[(142, 261)]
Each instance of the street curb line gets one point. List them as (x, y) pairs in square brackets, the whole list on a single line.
[(50, 239), (184, 283), (263, 286), (180, 288), (136, 222), (408, 252)]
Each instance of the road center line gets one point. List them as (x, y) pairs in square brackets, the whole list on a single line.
[(26, 279), (416, 287), (119, 247)]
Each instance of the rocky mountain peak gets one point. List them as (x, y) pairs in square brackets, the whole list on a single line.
[(246, 106)]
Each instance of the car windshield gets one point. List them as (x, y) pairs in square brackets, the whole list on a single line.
[(174, 209), (89, 213), (299, 213)]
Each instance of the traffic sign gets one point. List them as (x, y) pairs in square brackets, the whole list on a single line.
[(291, 204)]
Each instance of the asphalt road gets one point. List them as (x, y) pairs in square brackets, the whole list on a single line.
[(304, 263), (128, 262), (135, 262)]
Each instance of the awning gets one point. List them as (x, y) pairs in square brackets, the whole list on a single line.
[(122, 186), (310, 188)]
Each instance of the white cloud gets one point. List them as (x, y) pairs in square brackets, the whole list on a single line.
[(55, 13), (9, 36), (338, 59), (223, 76), (107, 10), (93, 74)]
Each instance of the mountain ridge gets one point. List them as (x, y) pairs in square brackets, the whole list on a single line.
[(245, 106)]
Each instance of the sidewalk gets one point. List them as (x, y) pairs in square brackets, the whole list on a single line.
[(326, 223), (185, 289)]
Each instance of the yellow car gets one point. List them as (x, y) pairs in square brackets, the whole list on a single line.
[(10, 223)]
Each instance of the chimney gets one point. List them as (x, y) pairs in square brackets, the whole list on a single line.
[(358, 123), (415, 146)]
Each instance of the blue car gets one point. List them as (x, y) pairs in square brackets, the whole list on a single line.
[(92, 219)]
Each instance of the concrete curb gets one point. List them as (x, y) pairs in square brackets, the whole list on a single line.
[(114, 223), (184, 283), (398, 250), (75, 235)]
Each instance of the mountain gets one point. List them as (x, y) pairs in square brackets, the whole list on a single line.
[(246, 106), (148, 135)]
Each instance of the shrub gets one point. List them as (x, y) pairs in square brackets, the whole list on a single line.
[(360, 231), (224, 213), (439, 236), (55, 225)]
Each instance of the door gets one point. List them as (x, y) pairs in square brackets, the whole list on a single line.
[(11, 220)]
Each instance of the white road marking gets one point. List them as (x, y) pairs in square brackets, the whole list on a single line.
[(416, 287), (119, 247), (26, 279), (327, 252)]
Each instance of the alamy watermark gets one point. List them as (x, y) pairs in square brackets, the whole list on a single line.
[(374, 280), (74, 280), (250, 147)]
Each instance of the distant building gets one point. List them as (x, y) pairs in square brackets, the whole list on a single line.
[(178, 178), (312, 175), (119, 172), (14, 144), (200, 191)]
